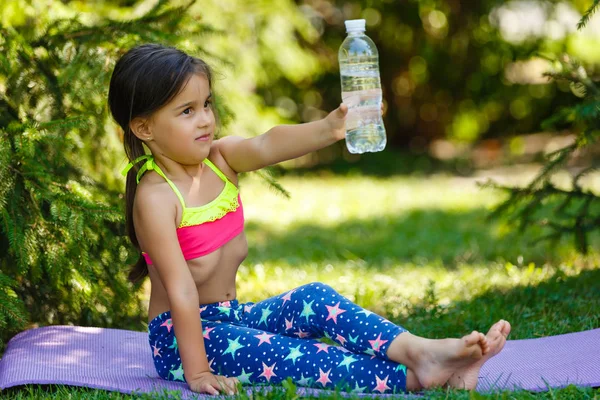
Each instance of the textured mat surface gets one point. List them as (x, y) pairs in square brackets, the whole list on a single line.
[(120, 360), (537, 364)]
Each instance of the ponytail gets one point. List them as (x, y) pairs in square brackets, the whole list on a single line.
[(134, 149)]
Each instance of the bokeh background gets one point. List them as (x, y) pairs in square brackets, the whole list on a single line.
[(458, 77)]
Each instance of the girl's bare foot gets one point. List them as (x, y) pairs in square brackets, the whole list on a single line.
[(467, 377), (436, 360)]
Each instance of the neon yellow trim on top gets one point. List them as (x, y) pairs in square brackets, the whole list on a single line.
[(225, 202)]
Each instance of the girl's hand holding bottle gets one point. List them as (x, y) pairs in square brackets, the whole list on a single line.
[(336, 121)]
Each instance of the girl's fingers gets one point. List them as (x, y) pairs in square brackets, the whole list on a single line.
[(223, 388), (225, 385), (232, 382), (210, 389), (229, 384)]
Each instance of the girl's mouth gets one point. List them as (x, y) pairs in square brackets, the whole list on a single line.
[(203, 138)]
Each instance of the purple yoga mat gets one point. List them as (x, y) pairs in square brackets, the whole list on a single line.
[(542, 363), (120, 360)]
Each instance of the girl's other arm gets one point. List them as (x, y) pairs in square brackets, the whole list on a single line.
[(283, 142), (155, 227)]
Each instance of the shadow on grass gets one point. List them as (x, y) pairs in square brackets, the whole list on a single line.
[(421, 237), (385, 164), (562, 304)]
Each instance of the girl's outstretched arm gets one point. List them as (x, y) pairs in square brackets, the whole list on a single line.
[(283, 142), (154, 216)]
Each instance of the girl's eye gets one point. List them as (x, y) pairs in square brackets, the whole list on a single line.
[(207, 104), (187, 111)]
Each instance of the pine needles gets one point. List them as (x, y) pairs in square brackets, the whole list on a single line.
[(64, 252), (588, 14), (562, 212)]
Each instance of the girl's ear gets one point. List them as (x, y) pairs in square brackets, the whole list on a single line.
[(139, 127)]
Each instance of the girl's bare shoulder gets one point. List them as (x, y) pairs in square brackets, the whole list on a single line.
[(217, 158), (153, 191)]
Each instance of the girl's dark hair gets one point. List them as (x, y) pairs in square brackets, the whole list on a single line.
[(145, 79)]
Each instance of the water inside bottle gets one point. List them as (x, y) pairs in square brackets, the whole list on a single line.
[(361, 92)]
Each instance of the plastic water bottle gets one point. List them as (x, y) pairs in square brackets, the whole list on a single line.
[(361, 90)]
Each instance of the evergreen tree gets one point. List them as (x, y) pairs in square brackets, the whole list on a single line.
[(64, 250), (64, 255), (559, 211)]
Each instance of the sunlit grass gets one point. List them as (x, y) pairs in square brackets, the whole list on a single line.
[(399, 246), (328, 200), (418, 250)]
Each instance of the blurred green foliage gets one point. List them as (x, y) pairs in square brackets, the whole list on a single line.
[(467, 71), (462, 70), (63, 250), (564, 211)]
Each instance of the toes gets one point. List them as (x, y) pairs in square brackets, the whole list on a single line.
[(497, 326), (472, 338), (505, 328), (502, 327), (496, 340), (474, 345), (484, 343), (481, 338), (494, 336)]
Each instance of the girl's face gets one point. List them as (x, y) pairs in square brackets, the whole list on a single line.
[(184, 128)]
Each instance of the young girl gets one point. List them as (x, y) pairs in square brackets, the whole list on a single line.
[(185, 213)]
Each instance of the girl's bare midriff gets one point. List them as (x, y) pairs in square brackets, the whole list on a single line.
[(213, 273)]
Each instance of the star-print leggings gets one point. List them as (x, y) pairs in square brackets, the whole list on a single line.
[(269, 341)]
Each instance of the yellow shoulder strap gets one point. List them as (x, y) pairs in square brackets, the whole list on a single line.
[(150, 165), (216, 170)]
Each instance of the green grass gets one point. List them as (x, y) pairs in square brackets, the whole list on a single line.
[(63, 392), (417, 250)]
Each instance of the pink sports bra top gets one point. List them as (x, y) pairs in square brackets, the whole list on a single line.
[(206, 228)]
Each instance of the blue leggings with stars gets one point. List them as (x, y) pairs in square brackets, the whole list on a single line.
[(269, 341)]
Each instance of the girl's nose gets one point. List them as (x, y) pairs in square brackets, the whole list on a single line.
[(205, 118)]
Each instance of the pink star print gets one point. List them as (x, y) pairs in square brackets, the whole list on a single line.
[(206, 333), (224, 304), (156, 351), (268, 371), (322, 347), (381, 384), (288, 296), (323, 377), (289, 324), (247, 308), (264, 337), (334, 312), (203, 309), (377, 343), (301, 334), (340, 339), (168, 323)]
